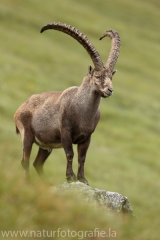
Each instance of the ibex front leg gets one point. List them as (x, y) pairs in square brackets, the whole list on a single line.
[(82, 150), (67, 145)]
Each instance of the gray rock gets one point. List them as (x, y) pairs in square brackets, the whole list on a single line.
[(111, 201)]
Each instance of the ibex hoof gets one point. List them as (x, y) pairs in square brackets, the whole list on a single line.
[(71, 178), (83, 180)]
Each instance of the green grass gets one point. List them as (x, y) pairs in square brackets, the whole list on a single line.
[(124, 152)]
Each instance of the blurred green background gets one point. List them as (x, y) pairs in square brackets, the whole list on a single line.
[(125, 148)]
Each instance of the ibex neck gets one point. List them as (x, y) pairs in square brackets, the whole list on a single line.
[(88, 100)]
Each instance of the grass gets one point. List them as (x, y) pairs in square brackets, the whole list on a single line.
[(124, 152)]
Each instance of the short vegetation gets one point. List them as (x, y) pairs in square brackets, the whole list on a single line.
[(124, 152)]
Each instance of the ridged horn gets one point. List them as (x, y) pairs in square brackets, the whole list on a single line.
[(115, 48), (81, 38)]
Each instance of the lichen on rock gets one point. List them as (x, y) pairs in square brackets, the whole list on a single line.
[(111, 201)]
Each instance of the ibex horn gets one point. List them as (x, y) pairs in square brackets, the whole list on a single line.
[(81, 38), (115, 48)]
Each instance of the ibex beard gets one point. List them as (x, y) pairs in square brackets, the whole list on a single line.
[(60, 119)]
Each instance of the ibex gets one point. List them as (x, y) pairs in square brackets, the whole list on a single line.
[(61, 119)]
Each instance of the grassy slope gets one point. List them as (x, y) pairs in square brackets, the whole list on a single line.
[(124, 153)]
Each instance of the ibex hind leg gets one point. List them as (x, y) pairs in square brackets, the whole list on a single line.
[(27, 141), (82, 151), (40, 160)]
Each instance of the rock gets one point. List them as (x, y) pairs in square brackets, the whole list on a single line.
[(111, 201)]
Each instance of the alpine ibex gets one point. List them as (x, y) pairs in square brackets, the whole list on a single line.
[(60, 119)]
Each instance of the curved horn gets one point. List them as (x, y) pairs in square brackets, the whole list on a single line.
[(81, 38), (115, 48)]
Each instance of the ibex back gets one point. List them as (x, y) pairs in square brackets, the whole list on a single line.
[(61, 119)]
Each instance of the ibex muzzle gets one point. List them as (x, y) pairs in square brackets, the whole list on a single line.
[(61, 119)]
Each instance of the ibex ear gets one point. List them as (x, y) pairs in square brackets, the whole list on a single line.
[(90, 69), (114, 72)]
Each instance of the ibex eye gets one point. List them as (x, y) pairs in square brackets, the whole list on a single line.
[(98, 77)]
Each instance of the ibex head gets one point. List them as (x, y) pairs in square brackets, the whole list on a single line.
[(100, 82), (100, 76)]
